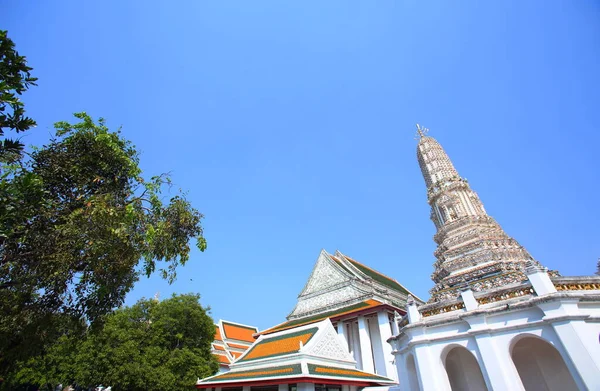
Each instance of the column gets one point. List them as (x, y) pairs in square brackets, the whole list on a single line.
[(341, 329), (356, 352), (411, 308), (283, 387), (572, 336), (397, 319), (377, 346), (246, 388), (540, 281), (365, 345), (385, 333), (401, 372), (469, 299), (497, 364), (432, 375)]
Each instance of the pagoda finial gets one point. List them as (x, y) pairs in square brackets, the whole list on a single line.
[(421, 131)]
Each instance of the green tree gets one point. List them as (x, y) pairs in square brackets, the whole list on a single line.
[(15, 78), (149, 346), (78, 225)]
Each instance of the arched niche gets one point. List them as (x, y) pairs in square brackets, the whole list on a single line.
[(540, 366), (464, 373), (411, 370)]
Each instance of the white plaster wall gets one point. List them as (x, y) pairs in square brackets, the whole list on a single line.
[(592, 309), (502, 330)]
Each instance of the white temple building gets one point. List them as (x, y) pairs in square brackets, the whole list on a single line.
[(335, 338), (496, 319)]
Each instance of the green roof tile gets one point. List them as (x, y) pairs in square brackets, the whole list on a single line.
[(274, 349), (235, 376), (391, 283), (321, 370)]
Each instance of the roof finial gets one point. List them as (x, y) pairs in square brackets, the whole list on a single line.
[(421, 131)]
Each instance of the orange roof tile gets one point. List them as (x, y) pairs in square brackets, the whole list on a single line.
[(218, 333), (223, 359), (237, 346), (236, 354), (217, 347), (277, 346), (241, 333)]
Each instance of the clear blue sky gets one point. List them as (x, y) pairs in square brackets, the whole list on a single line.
[(291, 125)]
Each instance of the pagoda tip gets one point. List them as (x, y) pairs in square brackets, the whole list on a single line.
[(421, 131)]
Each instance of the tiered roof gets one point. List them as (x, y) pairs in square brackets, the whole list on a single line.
[(370, 304), (310, 353), (231, 341), (306, 347), (339, 286), (375, 275)]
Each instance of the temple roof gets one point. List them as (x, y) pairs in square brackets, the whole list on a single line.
[(364, 305), (224, 349), (290, 372), (308, 353), (339, 281), (375, 275), (238, 331), (277, 346)]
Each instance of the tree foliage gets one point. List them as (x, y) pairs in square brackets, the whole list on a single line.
[(149, 346), (15, 78), (78, 225)]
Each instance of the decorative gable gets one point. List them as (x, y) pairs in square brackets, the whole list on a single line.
[(325, 274), (328, 345)]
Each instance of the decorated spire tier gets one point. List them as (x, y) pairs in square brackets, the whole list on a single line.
[(472, 247)]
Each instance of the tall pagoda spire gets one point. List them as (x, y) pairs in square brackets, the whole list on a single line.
[(472, 247)]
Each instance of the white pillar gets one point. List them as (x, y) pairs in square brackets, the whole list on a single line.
[(411, 308), (572, 335), (377, 346), (397, 318), (577, 350), (401, 372), (538, 276), (245, 388), (497, 364), (356, 352), (385, 333), (283, 387), (341, 329), (469, 299), (365, 345), (432, 374)]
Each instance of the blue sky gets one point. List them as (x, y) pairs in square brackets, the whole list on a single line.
[(291, 125)]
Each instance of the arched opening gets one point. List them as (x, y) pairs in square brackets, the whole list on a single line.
[(411, 369), (463, 371), (541, 366)]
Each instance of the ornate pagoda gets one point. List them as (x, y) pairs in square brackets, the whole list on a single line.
[(496, 319), (471, 245)]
